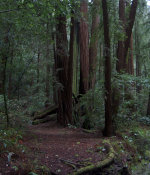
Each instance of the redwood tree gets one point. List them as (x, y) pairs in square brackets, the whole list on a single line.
[(63, 65), (120, 51), (127, 26), (47, 82), (94, 43), (108, 131), (84, 48)]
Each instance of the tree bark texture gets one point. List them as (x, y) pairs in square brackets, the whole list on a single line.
[(129, 27), (84, 48), (124, 58), (94, 43), (130, 66), (108, 131), (64, 116), (120, 51), (47, 90)]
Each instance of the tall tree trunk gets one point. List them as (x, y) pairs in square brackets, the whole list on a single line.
[(123, 47), (84, 48), (108, 131), (64, 117), (130, 66), (129, 27), (137, 53), (55, 99), (38, 69), (10, 76), (5, 52), (75, 58), (70, 70), (47, 64), (120, 51), (94, 43)]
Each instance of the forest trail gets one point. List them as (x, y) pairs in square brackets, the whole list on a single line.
[(62, 150)]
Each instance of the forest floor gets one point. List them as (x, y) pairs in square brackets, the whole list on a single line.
[(51, 148)]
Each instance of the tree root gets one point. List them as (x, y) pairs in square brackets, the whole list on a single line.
[(98, 165), (70, 163)]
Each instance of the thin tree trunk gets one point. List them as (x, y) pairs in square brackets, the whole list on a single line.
[(75, 58), (94, 43), (38, 69), (70, 71), (47, 65), (4, 61), (137, 53), (4, 91), (108, 131), (10, 76), (84, 48), (55, 99)]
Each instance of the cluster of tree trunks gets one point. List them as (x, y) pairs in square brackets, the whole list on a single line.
[(125, 47), (64, 57)]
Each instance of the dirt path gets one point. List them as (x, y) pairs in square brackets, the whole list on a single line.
[(51, 148), (63, 149)]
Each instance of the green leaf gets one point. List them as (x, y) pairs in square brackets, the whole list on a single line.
[(32, 173)]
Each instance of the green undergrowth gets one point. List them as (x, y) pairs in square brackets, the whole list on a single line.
[(133, 149), (11, 141)]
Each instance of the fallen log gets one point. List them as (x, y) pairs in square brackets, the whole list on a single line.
[(48, 118), (98, 165), (48, 111)]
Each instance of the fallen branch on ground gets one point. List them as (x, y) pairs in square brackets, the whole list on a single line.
[(48, 118), (89, 131), (98, 165), (48, 111)]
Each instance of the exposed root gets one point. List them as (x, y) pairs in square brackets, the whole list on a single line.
[(98, 165)]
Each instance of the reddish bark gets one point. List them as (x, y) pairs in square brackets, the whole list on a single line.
[(84, 49), (123, 46), (108, 106), (94, 43), (129, 27), (47, 90), (130, 66), (120, 52), (64, 116)]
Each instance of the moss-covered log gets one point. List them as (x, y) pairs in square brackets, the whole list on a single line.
[(46, 112), (48, 118), (98, 165)]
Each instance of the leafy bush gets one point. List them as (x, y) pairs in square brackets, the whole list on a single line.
[(10, 141)]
